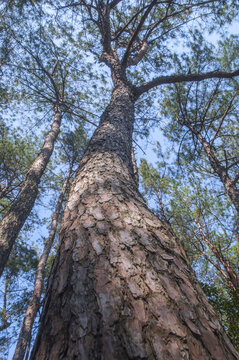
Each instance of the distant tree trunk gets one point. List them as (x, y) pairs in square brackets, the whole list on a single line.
[(33, 307), (121, 288), (4, 312), (12, 223)]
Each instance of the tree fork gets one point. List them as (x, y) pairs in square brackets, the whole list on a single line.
[(121, 287), (12, 223)]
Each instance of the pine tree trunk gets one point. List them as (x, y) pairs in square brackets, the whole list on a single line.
[(31, 312), (121, 287), (14, 220)]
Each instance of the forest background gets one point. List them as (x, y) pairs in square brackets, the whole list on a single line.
[(44, 57)]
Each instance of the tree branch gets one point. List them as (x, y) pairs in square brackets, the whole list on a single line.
[(209, 103), (235, 180), (172, 79), (114, 3), (125, 27), (139, 56), (223, 118), (69, 5), (144, 17)]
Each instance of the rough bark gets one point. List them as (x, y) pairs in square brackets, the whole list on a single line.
[(121, 286), (34, 304), (14, 220)]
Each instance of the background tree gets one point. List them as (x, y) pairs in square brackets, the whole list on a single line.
[(47, 79), (73, 145), (15, 292), (30, 99), (204, 118), (19, 272), (205, 223), (16, 155)]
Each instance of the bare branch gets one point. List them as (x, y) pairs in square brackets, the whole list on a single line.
[(68, 6), (172, 79), (114, 3), (223, 118), (210, 102), (80, 116), (141, 23), (138, 57), (54, 67), (233, 164), (120, 31), (235, 180)]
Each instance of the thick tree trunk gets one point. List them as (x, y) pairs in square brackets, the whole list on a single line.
[(121, 287), (26, 329), (14, 220)]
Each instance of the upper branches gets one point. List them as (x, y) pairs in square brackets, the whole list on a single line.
[(142, 30)]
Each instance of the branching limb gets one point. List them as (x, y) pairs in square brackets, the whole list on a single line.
[(223, 118), (172, 79), (114, 3), (119, 32), (212, 96), (135, 35), (139, 56)]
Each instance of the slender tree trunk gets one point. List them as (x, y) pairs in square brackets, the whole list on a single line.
[(120, 287), (14, 220), (26, 329), (4, 315)]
